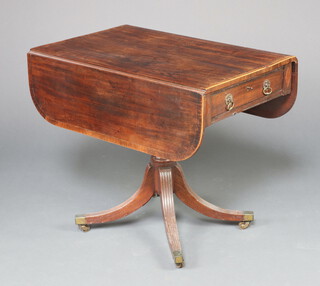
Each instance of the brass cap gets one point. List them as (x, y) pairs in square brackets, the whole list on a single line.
[(248, 216), (178, 258), (80, 219)]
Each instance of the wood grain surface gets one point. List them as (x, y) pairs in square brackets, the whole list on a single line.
[(152, 118), (152, 91), (168, 211), (283, 104), (171, 58)]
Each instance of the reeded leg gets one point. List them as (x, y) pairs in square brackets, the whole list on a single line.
[(191, 199), (136, 201), (165, 187)]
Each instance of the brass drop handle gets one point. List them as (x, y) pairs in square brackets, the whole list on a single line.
[(267, 90), (229, 102)]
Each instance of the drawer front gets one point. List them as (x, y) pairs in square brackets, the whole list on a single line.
[(248, 94)]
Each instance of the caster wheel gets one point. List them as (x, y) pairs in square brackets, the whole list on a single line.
[(244, 224), (84, 227), (179, 265)]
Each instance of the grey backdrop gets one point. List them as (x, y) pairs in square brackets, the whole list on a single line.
[(48, 174)]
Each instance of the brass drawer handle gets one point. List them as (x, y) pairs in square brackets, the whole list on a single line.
[(267, 90), (229, 101)]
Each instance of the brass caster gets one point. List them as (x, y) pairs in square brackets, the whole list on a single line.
[(84, 227), (178, 259), (244, 224)]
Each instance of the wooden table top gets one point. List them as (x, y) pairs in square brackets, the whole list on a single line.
[(180, 60), (154, 91)]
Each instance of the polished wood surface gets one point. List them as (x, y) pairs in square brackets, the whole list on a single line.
[(165, 57), (152, 91), (282, 104), (168, 212), (155, 119), (248, 93)]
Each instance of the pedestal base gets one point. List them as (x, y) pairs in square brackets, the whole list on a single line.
[(164, 178)]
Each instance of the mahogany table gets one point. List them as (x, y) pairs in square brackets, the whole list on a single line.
[(156, 92)]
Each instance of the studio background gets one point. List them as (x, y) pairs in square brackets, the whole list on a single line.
[(48, 174)]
